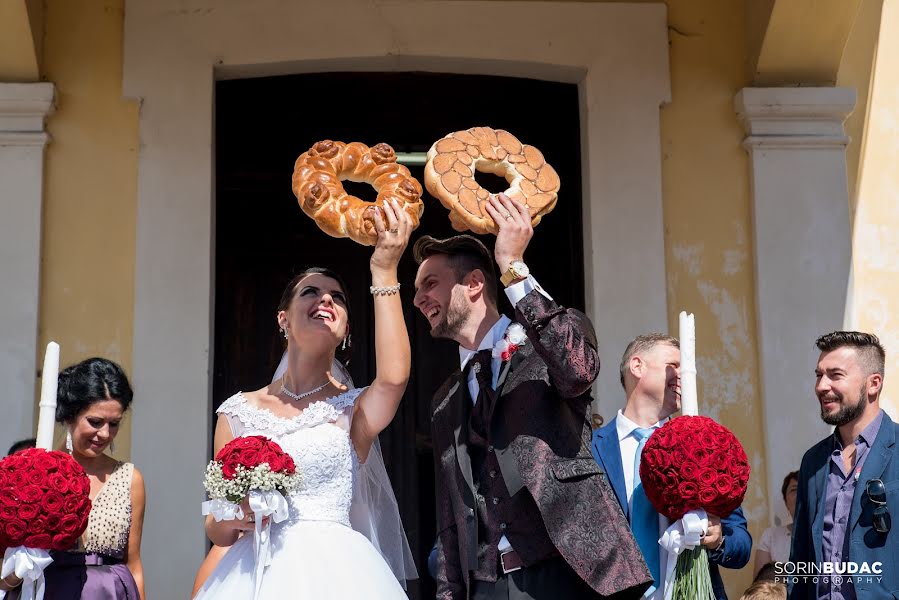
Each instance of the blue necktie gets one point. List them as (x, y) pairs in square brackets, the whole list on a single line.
[(644, 518)]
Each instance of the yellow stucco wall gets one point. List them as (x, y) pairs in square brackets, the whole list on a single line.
[(708, 229), (18, 54), (87, 266), (875, 244)]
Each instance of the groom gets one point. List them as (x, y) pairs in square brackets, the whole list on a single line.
[(523, 509)]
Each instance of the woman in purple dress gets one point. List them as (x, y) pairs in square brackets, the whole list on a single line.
[(92, 399)]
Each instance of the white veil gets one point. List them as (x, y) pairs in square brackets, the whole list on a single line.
[(374, 512)]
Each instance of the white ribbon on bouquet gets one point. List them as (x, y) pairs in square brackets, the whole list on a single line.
[(685, 533), (265, 504), (267, 507), (222, 510), (27, 564)]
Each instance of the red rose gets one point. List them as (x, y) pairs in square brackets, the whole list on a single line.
[(53, 522), (250, 458), (45, 461), (67, 468), (8, 498), (71, 502), (62, 541), (69, 524), (27, 512), (690, 471), (707, 495), (23, 460), (687, 490), (724, 483), (4, 477), (30, 494), (15, 530), (52, 502), (58, 482), (708, 477), (18, 478), (8, 512), (229, 468), (42, 541), (38, 525), (289, 466)]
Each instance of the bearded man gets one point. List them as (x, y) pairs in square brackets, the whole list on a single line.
[(849, 481)]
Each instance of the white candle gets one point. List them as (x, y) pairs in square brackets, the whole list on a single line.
[(49, 380), (688, 401)]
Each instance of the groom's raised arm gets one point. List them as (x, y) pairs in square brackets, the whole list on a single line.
[(563, 337)]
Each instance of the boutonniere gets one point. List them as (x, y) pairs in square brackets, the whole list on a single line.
[(513, 339)]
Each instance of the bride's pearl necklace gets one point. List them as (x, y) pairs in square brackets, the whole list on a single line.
[(304, 394)]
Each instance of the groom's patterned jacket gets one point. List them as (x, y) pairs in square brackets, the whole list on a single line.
[(540, 430)]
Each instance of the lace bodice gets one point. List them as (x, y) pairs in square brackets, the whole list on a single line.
[(318, 440)]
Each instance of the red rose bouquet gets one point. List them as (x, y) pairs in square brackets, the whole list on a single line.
[(247, 464), (44, 505), (256, 469), (691, 467)]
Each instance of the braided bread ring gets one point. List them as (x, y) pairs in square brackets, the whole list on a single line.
[(318, 172), (452, 161)]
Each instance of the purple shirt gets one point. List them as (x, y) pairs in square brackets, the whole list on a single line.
[(838, 493)]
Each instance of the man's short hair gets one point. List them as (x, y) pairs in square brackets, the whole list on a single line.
[(464, 254), (640, 344), (867, 347)]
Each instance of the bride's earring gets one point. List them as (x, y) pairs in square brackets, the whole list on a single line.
[(69, 445), (286, 337), (112, 447), (343, 345)]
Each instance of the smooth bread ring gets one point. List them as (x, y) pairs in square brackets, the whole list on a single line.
[(453, 160), (317, 176)]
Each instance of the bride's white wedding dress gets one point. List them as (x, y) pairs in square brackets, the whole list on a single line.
[(315, 552)]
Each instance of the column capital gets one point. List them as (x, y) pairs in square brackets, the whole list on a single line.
[(23, 111), (789, 117)]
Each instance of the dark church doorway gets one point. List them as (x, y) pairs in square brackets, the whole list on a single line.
[(263, 238)]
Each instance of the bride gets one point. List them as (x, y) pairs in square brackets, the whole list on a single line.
[(331, 433)]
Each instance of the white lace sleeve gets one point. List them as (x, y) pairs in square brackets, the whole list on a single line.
[(231, 409)]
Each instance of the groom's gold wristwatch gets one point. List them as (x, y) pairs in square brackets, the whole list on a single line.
[(517, 270)]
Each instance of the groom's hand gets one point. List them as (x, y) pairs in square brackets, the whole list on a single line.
[(712, 538), (513, 222)]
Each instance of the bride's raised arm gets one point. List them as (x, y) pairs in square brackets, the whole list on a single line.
[(377, 405)]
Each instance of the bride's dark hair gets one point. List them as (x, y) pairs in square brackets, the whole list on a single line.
[(290, 290)]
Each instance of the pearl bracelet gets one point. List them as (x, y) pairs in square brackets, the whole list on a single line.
[(385, 291)]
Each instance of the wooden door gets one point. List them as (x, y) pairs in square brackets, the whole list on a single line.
[(263, 238)]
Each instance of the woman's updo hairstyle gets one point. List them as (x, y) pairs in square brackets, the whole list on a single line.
[(90, 381)]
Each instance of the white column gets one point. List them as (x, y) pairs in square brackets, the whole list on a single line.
[(23, 109), (803, 249)]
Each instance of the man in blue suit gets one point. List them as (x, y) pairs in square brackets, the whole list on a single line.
[(849, 481), (650, 374)]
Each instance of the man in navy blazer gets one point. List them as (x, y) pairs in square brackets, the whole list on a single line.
[(849, 481), (650, 375)]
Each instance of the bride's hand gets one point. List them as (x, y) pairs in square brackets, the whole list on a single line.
[(393, 236), (248, 523)]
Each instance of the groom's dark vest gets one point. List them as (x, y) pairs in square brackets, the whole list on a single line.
[(517, 517)]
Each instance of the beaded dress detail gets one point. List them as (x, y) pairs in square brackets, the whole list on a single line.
[(110, 519)]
